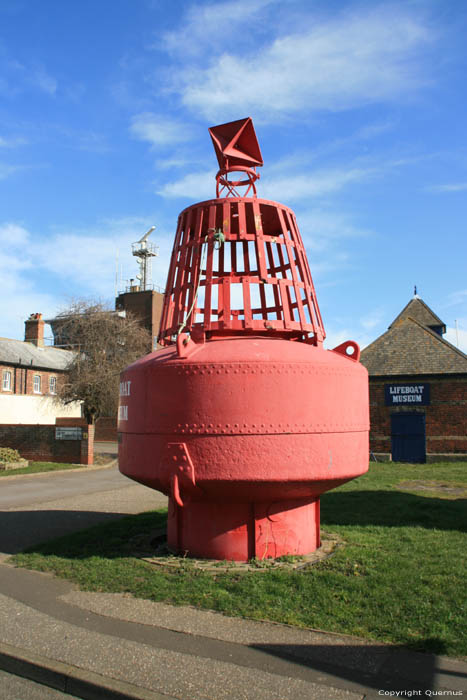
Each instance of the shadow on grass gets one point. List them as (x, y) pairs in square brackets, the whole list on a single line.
[(117, 535), (382, 667), (393, 509), (21, 529), (77, 535)]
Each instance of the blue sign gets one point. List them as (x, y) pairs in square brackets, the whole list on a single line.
[(407, 394)]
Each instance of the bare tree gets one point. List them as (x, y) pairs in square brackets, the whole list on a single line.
[(104, 343)]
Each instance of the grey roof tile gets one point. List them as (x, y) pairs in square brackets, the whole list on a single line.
[(408, 347), (19, 352), (419, 311)]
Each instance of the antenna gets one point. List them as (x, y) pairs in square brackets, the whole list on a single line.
[(144, 251), (116, 272), (143, 239)]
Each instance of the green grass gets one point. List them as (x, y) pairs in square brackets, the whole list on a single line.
[(399, 578), (35, 467)]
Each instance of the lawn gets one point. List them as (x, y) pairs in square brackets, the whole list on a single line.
[(400, 576), (36, 467)]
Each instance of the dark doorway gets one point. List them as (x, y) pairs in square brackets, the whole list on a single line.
[(408, 442)]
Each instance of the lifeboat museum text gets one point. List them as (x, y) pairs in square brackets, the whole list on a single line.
[(407, 393)]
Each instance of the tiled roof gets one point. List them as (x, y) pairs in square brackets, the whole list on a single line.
[(408, 347), (419, 311), (18, 352)]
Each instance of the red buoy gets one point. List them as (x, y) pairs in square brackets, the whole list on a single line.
[(242, 419)]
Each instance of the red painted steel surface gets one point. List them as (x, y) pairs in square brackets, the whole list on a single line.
[(256, 280), (243, 419), (237, 150)]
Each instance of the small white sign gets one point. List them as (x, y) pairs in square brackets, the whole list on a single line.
[(69, 433)]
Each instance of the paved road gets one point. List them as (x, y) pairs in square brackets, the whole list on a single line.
[(52, 486), (37, 508), (16, 688), (108, 448)]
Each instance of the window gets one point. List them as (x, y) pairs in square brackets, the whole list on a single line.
[(52, 385), (36, 386), (6, 380)]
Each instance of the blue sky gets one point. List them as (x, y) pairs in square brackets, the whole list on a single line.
[(359, 108)]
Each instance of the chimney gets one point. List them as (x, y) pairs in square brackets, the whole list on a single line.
[(34, 330)]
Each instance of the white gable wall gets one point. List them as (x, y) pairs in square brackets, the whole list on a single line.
[(19, 409)]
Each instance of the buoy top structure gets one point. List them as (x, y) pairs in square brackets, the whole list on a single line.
[(238, 263), (243, 419)]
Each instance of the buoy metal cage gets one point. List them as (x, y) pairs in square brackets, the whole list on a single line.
[(239, 265)]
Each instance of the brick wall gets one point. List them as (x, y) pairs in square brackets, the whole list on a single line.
[(446, 416), (22, 379), (145, 306), (65, 422), (106, 428), (38, 443)]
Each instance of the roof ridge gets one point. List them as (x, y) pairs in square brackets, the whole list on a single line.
[(425, 307), (425, 329), (436, 335), (28, 342), (408, 347)]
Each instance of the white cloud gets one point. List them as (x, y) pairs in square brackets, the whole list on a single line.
[(13, 235), (335, 337), (174, 162), (370, 131), (12, 142), (323, 229), (457, 337), (19, 296), (22, 301), (45, 82), (372, 320), (452, 187), (81, 261), (294, 187), (18, 77), (458, 297), (200, 28), (340, 64), (314, 184), (159, 130), (88, 257), (7, 170), (194, 186)]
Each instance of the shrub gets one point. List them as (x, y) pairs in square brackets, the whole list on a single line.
[(8, 454)]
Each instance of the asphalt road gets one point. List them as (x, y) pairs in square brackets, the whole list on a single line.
[(52, 486), (16, 688), (37, 508)]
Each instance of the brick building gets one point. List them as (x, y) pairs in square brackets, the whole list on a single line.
[(418, 389), (30, 375), (145, 305)]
